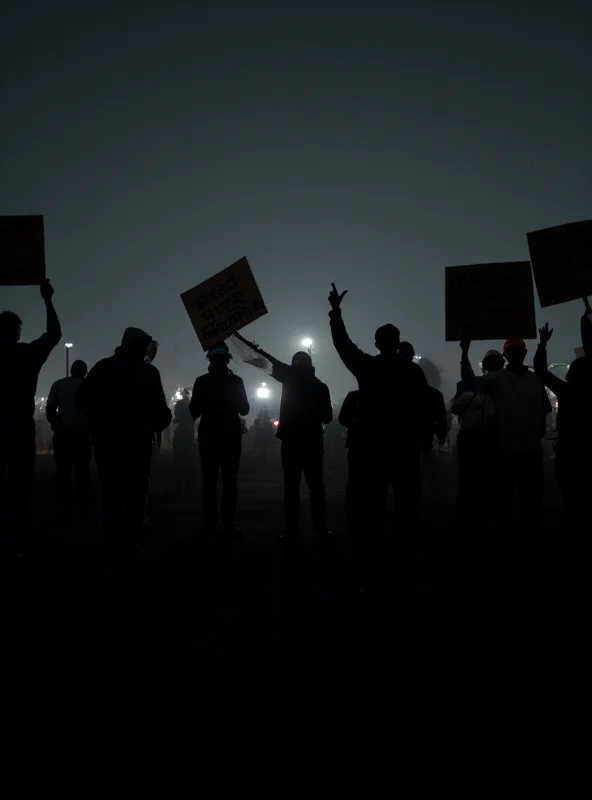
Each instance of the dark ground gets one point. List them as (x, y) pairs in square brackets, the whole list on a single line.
[(222, 658)]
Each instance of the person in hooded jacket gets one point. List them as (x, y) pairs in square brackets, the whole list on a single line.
[(573, 462), (394, 392), (305, 409), (219, 400), (124, 402)]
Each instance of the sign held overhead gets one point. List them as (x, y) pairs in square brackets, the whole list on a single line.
[(561, 260), (22, 251), (490, 301), (223, 304)]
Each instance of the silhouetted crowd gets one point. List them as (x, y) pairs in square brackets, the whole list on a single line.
[(502, 415)]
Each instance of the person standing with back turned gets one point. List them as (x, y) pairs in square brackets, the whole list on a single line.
[(219, 400), (395, 392), (304, 409), (20, 364)]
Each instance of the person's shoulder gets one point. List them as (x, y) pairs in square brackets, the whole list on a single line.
[(59, 383)]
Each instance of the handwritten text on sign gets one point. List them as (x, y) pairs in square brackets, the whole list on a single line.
[(562, 262), (22, 251), (224, 303), (490, 301)]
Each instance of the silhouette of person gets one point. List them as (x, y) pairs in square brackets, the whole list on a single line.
[(355, 463), (305, 409), (573, 464), (394, 392), (21, 364), (436, 423), (184, 449), (219, 400), (124, 401), (521, 408), (476, 447), (72, 446)]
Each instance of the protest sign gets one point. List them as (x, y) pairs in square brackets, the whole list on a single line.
[(224, 303), (561, 260), (22, 251), (490, 301)]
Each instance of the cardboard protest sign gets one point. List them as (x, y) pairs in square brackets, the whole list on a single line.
[(224, 304), (561, 260), (490, 301), (22, 251)]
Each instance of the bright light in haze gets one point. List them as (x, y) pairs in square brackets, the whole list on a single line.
[(263, 383), (263, 393), (69, 345), (306, 342), (417, 358)]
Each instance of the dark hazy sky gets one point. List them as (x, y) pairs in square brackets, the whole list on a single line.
[(368, 143)]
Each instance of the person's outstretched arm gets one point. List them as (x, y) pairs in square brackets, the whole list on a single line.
[(540, 364), (53, 333), (280, 370), (483, 383), (351, 355)]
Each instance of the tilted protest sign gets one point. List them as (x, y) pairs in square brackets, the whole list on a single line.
[(22, 251), (224, 303), (561, 260), (490, 301)]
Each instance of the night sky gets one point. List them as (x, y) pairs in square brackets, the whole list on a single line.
[(364, 143)]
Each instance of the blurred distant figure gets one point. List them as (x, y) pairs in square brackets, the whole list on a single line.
[(521, 408), (353, 493), (476, 448), (72, 447), (21, 364), (124, 402), (219, 401), (184, 449), (305, 408)]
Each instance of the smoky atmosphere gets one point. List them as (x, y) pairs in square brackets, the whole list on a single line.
[(369, 145)]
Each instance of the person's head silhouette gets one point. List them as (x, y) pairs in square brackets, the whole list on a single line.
[(387, 339), (10, 328), (493, 361), (219, 357), (515, 352), (406, 351), (78, 369), (135, 342)]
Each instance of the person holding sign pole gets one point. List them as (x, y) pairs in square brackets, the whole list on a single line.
[(521, 408), (219, 400), (21, 364), (573, 462), (305, 408)]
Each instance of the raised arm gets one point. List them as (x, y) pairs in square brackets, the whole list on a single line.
[(351, 355), (255, 347), (484, 383), (552, 382), (53, 333)]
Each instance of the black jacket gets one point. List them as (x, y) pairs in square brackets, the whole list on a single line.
[(220, 399), (394, 394), (348, 416), (122, 395), (306, 403)]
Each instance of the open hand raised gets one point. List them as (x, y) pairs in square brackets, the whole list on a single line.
[(545, 334), (335, 298)]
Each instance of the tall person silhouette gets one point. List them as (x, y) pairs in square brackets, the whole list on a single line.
[(219, 400), (20, 364)]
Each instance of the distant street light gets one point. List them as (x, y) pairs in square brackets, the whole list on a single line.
[(68, 347), (263, 392)]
